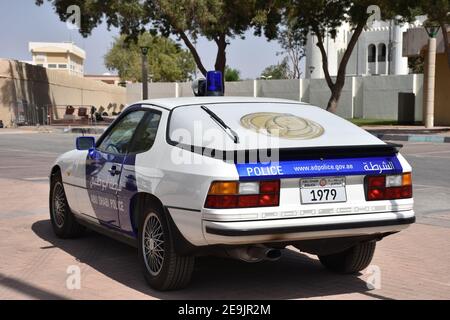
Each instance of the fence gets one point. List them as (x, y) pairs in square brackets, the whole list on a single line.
[(369, 97), (25, 113)]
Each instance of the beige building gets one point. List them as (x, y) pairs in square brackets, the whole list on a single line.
[(60, 56)]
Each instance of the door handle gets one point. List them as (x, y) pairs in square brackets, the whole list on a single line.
[(113, 171)]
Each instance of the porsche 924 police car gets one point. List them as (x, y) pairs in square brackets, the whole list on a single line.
[(237, 177)]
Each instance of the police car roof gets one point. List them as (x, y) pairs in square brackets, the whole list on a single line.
[(170, 103)]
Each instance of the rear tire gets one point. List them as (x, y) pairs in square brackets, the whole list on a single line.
[(64, 223), (352, 260), (164, 269)]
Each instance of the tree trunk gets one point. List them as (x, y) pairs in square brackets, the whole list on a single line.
[(323, 53), (337, 86), (193, 51), (334, 100), (221, 57)]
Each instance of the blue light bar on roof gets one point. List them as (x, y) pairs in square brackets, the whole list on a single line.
[(214, 84)]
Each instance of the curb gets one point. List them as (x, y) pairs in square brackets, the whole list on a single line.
[(82, 130), (413, 138)]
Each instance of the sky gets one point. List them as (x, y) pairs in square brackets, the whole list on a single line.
[(21, 21)]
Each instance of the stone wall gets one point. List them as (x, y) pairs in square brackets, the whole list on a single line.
[(27, 92)]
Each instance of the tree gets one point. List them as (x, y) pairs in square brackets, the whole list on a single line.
[(167, 60), (293, 47), (232, 74), (217, 20), (277, 71), (324, 17), (416, 64)]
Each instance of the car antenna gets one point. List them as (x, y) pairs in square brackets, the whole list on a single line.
[(222, 123)]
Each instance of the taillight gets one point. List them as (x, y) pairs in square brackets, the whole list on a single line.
[(233, 194), (389, 187)]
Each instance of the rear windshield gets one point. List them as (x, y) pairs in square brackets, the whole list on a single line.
[(263, 125)]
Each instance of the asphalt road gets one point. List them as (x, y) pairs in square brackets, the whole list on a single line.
[(36, 262), (29, 157)]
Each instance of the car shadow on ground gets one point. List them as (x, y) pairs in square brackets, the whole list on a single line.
[(294, 276)]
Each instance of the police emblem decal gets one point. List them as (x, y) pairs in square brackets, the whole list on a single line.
[(282, 125)]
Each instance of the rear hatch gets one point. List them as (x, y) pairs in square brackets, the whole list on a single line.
[(321, 160), (264, 125)]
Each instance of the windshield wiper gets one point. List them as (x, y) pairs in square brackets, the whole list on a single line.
[(222, 124)]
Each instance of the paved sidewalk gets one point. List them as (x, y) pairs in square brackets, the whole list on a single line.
[(414, 264)]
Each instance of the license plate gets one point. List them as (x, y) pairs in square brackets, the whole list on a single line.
[(323, 190)]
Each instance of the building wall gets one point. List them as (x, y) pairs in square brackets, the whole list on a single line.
[(319, 94), (283, 89), (77, 65), (239, 88), (368, 97), (184, 90), (31, 88), (442, 91), (74, 64), (56, 58), (380, 95)]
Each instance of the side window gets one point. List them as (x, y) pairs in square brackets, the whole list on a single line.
[(146, 133), (119, 138)]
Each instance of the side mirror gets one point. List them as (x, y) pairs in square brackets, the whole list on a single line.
[(85, 143)]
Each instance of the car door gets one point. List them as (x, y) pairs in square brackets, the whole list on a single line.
[(143, 141), (104, 167)]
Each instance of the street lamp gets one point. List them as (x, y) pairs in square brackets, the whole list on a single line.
[(144, 51), (432, 29), (266, 77), (311, 69)]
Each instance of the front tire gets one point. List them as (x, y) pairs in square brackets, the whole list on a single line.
[(64, 223), (352, 260), (164, 269)]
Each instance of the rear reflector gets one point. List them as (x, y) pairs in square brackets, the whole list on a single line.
[(389, 187), (245, 194)]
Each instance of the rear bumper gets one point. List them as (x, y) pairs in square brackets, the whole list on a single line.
[(247, 232)]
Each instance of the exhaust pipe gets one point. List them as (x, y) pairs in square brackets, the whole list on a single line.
[(254, 254), (265, 253)]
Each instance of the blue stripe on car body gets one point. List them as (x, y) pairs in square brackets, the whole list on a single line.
[(323, 167)]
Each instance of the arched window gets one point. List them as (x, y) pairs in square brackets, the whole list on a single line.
[(371, 53), (381, 52)]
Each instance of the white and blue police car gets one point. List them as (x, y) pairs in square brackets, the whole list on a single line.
[(232, 176)]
